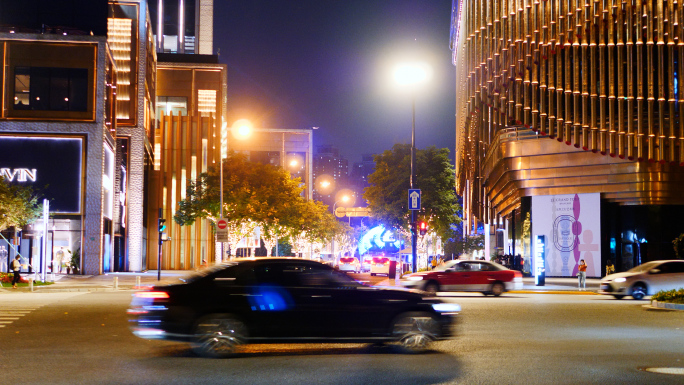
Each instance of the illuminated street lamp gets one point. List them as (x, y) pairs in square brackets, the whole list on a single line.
[(410, 76), (344, 199)]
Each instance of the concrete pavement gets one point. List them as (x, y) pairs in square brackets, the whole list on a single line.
[(104, 282), (552, 286), (128, 281)]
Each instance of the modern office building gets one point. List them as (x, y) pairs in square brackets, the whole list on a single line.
[(190, 109), (191, 106), (570, 130), (289, 148), (77, 93)]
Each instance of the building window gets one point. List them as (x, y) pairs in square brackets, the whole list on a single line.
[(206, 102), (172, 105), (50, 89)]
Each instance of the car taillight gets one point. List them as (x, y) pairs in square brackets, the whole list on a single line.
[(152, 294)]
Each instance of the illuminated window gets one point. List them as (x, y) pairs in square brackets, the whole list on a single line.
[(172, 105), (50, 89), (206, 102), (119, 38)]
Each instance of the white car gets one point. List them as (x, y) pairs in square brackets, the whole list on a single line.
[(380, 265), (349, 264), (646, 279)]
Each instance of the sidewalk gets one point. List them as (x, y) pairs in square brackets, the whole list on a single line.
[(127, 281), (104, 282), (552, 286)]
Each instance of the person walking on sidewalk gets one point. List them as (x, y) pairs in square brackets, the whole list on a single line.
[(582, 275), (610, 269), (16, 269)]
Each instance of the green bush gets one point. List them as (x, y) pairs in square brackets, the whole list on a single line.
[(23, 281), (673, 296)]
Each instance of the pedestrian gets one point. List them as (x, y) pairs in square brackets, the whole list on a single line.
[(582, 274), (610, 269), (16, 269)]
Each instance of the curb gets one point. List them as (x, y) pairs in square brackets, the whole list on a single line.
[(666, 305), (552, 292)]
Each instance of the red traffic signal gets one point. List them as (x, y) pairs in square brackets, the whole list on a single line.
[(423, 228)]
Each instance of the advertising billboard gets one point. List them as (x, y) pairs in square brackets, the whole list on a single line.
[(52, 166), (571, 226)]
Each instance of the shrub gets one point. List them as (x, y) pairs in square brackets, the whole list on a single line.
[(7, 278), (673, 296)]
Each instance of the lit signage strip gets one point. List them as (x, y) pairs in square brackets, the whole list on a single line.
[(539, 260), (18, 174)]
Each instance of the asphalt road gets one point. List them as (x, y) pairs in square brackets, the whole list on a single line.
[(69, 338)]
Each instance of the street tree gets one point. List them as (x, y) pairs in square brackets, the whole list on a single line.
[(18, 205), (315, 226), (387, 195), (254, 194)]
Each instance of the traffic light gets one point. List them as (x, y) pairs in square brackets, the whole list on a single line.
[(162, 226), (423, 228)]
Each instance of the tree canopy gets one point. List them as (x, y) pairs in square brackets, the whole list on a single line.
[(18, 205), (387, 195), (256, 194)]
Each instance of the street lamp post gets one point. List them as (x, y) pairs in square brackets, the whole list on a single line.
[(241, 130), (411, 75), (345, 199)]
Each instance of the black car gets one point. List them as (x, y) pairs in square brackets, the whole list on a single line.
[(271, 300)]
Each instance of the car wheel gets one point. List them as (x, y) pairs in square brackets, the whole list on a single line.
[(218, 336), (432, 288), (497, 289), (638, 291), (618, 296), (415, 331)]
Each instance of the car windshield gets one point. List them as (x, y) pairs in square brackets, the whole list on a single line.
[(445, 265), (645, 267)]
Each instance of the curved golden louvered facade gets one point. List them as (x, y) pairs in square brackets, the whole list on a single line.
[(598, 86)]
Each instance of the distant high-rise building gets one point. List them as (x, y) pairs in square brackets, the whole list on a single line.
[(359, 173), (331, 167)]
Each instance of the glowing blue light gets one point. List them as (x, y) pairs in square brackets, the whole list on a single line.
[(270, 298), (380, 239)]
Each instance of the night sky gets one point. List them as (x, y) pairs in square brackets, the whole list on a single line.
[(327, 64)]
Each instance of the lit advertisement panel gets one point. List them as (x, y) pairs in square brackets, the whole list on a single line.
[(379, 239), (571, 225), (53, 166)]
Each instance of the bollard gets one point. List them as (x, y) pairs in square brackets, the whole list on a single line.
[(116, 283), (31, 284), (137, 282)]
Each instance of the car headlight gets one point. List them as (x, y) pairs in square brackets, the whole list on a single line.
[(446, 307), (415, 278), (621, 279)]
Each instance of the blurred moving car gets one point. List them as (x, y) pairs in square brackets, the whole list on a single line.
[(272, 300), (645, 279), (349, 264), (482, 276), (380, 265)]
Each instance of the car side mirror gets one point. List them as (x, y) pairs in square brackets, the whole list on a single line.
[(654, 271), (450, 270)]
